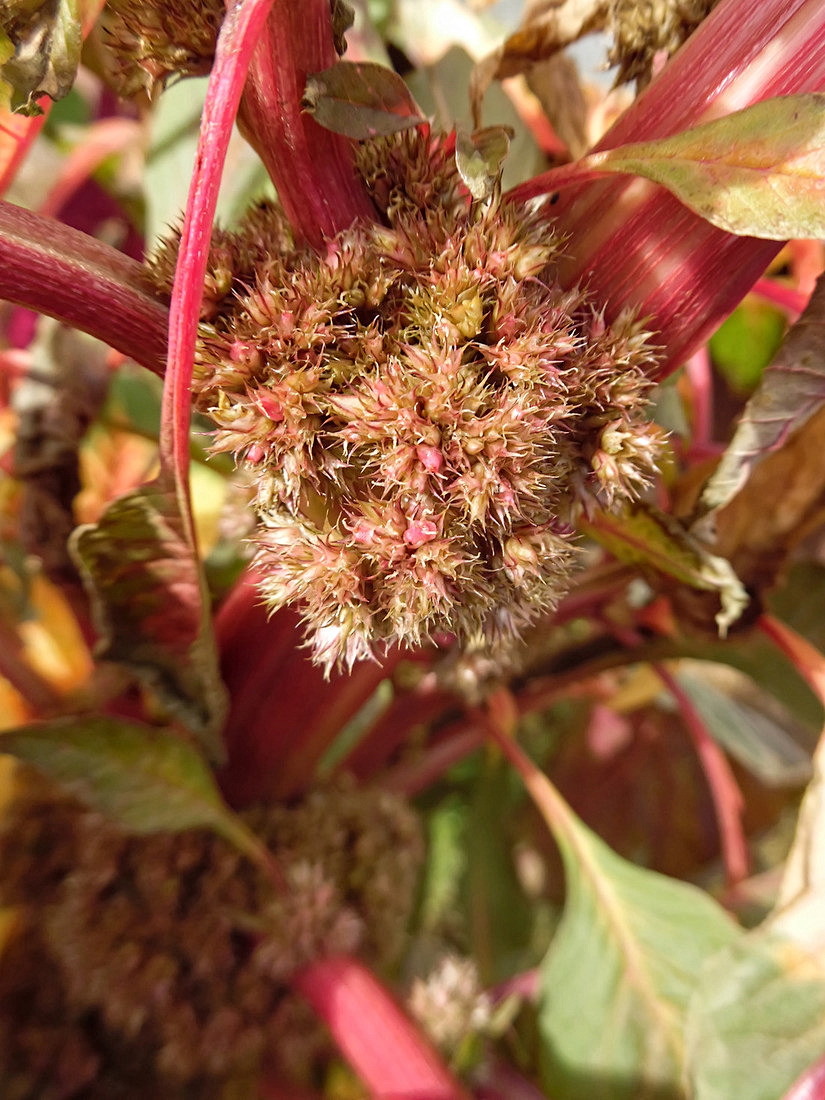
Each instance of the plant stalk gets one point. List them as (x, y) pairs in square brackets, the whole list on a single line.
[(56, 270), (311, 167)]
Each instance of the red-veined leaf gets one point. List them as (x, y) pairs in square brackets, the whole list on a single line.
[(145, 585)]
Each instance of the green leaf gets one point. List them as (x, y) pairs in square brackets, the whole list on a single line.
[(617, 980), (173, 140), (757, 172), (499, 914), (749, 723), (361, 100), (47, 39), (643, 536), (620, 973), (147, 780), (145, 585), (757, 1020), (745, 343)]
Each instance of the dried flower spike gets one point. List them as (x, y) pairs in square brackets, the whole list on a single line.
[(423, 408), (643, 28)]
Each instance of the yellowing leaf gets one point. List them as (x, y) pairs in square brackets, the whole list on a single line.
[(759, 172), (52, 641), (643, 536), (13, 711)]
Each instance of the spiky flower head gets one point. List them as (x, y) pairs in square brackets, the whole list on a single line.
[(423, 407), (148, 41)]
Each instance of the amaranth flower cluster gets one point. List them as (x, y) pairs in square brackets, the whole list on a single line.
[(422, 406), (159, 965)]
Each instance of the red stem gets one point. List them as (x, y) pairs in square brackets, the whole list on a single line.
[(727, 798), (284, 713), (381, 1044), (311, 167), (48, 267)]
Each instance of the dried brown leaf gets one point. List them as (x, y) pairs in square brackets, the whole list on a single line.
[(547, 26), (557, 86)]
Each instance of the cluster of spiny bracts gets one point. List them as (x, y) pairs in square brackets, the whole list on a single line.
[(422, 407)]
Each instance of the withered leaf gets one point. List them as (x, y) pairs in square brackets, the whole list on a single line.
[(56, 402), (146, 590), (547, 26), (343, 16), (479, 158), (360, 100), (39, 50), (556, 84)]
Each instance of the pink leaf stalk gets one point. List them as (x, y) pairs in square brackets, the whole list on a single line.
[(811, 1085), (633, 244), (239, 34), (382, 1045), (725, 792), (311, 167), (56, 270)]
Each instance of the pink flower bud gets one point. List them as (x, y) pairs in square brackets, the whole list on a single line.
[(419, 532), (271, 408), (430, 458)]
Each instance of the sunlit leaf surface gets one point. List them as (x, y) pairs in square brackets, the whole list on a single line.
[(759, 172), (619, 975)]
